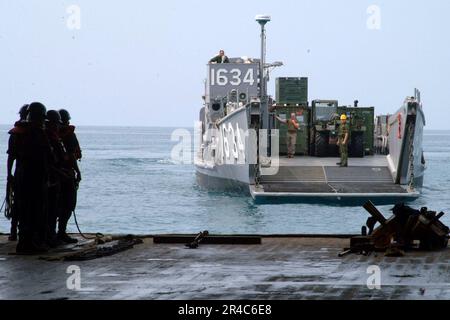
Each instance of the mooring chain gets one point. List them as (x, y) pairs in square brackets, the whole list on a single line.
[(258, 176), (258, 163), (411, 155)]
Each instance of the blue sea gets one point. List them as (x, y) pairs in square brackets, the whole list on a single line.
[(131, 185)]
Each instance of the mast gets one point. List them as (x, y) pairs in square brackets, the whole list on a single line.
[(263, 20)]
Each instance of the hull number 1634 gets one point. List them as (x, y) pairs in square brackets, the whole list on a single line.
[(234, 77)]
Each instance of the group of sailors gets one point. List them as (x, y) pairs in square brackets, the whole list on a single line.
[(42, 191)]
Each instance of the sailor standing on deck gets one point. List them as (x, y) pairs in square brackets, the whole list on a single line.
[(220, 58), (69, 187), (56, 174), (291, 137), (343, 138), (12, 158), (33, 153)]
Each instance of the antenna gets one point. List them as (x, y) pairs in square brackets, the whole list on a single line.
[(264, 108), (263, 20)]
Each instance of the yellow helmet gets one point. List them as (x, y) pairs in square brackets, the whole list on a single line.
[(343, 117)]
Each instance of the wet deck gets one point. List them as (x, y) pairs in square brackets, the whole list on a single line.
[(279, 268)]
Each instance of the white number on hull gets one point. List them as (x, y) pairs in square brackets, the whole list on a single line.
[(221, 77), (236, 74), (234, 149), (239, 138), (249, 77), (226, 144), (234, 144)]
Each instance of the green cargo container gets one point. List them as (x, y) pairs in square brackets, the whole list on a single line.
[(303, 114), (291, 90), (362, 118)]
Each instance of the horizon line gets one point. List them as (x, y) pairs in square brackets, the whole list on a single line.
[(159, 126)]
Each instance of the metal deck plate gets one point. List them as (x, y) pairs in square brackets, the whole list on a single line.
[(365, 187), (297, 174), (357, 187), (358, 174), (330, 174), (300, 187), (331, 180)]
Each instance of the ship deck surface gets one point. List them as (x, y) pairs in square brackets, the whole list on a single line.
[(279, 268)]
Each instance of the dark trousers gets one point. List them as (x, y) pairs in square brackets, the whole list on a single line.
[(14, 212), (344, 154), (14, 224), (32, 197), (53, 208), (67, 203)]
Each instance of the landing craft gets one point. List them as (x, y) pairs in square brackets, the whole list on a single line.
[(242, 146)]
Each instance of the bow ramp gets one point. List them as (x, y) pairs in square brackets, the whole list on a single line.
[(307, 177)]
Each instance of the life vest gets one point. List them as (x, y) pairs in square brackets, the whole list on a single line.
[(292, 126), (66, 131), (16, 140), (19, 128), (67, 135)]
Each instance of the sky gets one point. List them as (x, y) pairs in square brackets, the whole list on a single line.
[(143, 63)]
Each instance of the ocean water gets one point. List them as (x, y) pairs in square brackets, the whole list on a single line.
[(131, 185)]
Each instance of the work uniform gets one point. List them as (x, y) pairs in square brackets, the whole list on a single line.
[(69, 187), (291, 138), (19, 128), (33, 153), (220, 59), (344, 129), (56, 175)]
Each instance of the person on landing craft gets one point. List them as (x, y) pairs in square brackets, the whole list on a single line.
[(343, 139), (220, 58), (291, 137)]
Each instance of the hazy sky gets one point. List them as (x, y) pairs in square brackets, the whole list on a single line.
[(143, 62)]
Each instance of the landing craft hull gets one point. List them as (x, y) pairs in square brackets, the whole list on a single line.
[(233, 157), (218, 175), (334, 199), (226, 178)]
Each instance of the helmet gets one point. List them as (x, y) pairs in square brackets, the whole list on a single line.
[(23, 112), (65, 115), (343, 117), (36, 112), (53, 116)]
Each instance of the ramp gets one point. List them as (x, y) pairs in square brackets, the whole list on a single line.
[(330, 182)]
